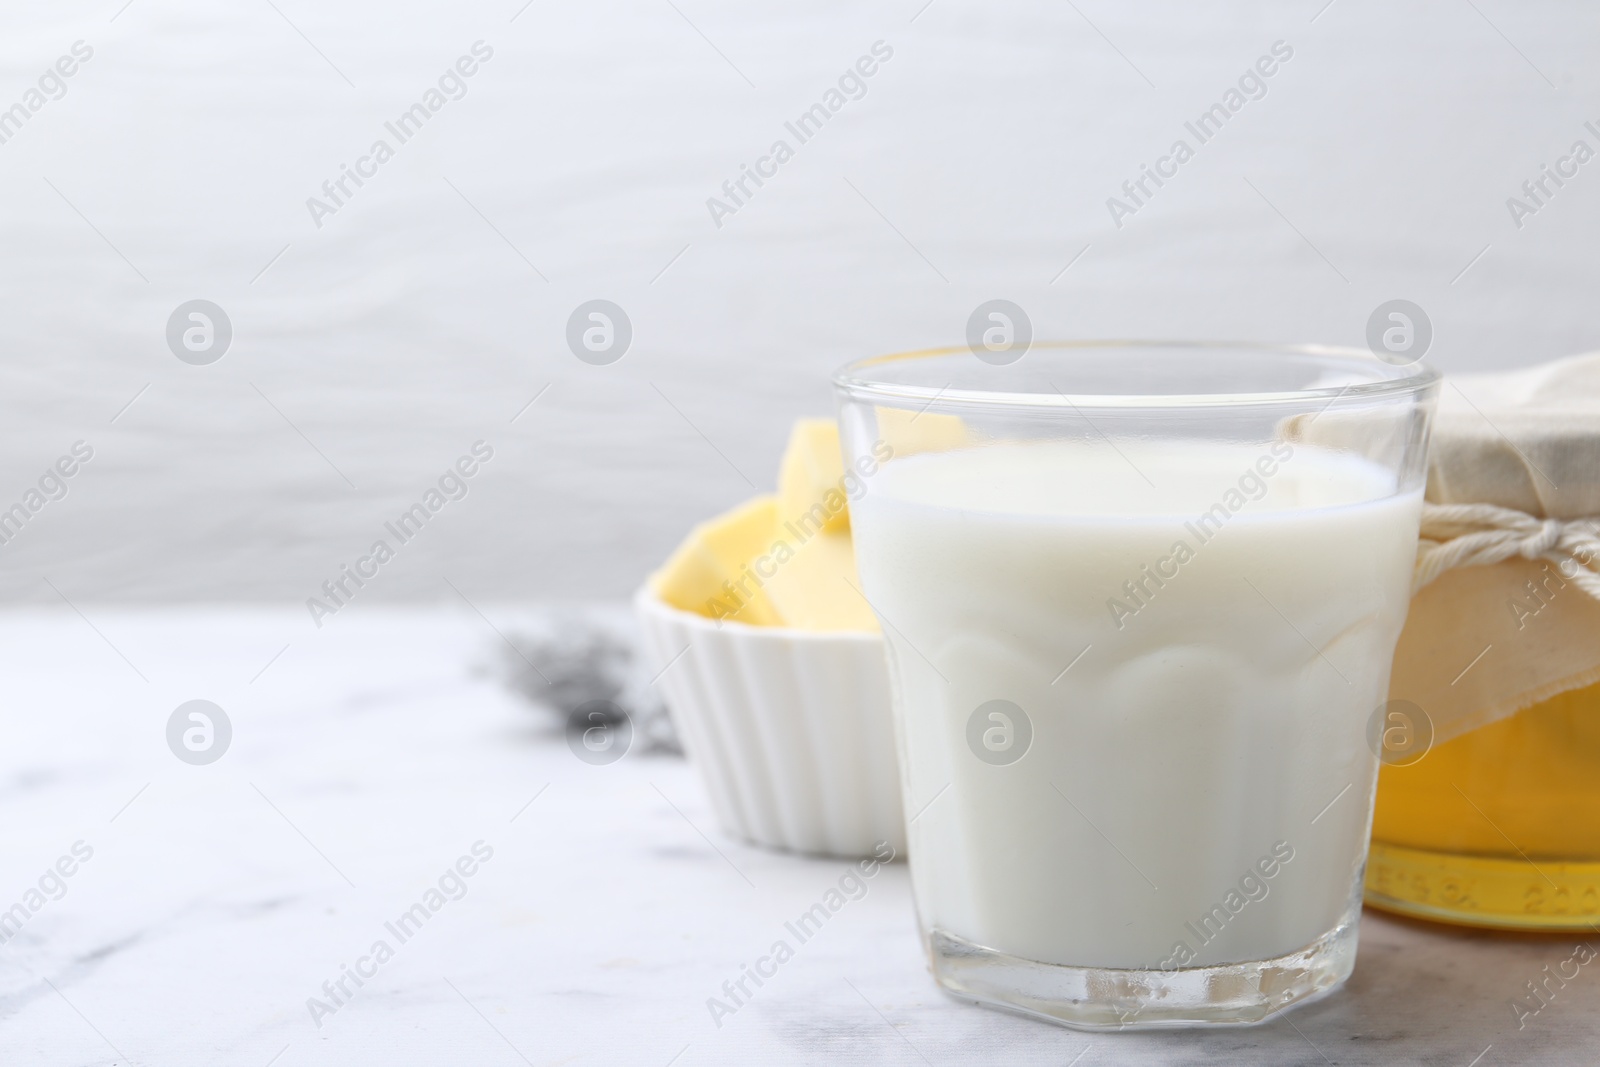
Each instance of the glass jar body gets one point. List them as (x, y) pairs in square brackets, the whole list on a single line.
[(1499, 827)]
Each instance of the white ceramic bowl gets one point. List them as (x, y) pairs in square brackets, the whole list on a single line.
[(790, 729)]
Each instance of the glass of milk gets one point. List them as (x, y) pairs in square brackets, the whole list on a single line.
[(1139, 602)]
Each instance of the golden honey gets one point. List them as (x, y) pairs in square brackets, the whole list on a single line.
[(1498, 827)]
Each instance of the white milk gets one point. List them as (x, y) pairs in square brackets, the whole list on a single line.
[(1218, 731)]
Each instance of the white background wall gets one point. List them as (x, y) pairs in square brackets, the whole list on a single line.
[(408, 326)]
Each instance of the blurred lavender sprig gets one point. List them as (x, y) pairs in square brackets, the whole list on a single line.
[(577, 657)]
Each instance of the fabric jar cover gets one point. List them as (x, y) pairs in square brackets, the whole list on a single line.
[(1506, 611)]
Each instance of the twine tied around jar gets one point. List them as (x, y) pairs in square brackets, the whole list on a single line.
[(1475, 535)]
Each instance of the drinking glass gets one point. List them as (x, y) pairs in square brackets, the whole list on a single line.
[(1139, 602)]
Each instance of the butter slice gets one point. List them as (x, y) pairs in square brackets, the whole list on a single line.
[(709, 573), (817, 588), (784, 560), (810, 491), (909, 432)]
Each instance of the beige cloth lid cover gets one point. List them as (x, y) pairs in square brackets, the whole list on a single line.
[(1486, 639)]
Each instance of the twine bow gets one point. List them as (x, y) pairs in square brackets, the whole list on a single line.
[(1476, 535)]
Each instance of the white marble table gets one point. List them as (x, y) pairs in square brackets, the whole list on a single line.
[(371, 755)]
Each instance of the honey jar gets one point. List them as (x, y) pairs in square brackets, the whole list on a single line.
[(1488, 805)]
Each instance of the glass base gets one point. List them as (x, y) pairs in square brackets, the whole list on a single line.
[(1493, 891), (1103, 998)]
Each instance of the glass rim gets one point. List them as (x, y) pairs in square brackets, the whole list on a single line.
[(1413, 379)]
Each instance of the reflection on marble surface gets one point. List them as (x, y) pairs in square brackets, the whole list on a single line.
[(369, 759)]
